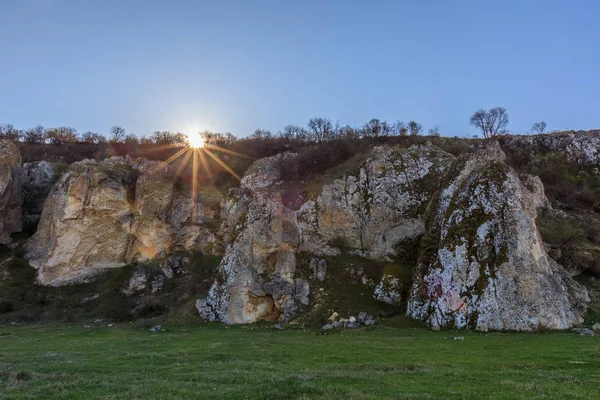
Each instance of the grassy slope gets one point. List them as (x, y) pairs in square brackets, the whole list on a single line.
[(212, 361)]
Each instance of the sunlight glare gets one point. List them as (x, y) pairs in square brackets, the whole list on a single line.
[(194, 139)]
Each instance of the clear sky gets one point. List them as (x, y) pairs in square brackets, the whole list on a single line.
[(238, 65)]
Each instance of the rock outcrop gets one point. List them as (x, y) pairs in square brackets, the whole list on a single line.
[(10, 191), (482, 263), (580, 147), (108, 214), (85, 225), (487, 267), (37, 179)]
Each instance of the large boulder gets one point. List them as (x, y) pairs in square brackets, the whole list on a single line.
[(119, 211), (485, 266), (10, 191), (85, 224)]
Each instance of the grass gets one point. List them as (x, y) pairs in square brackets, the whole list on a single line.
[(256, 362)]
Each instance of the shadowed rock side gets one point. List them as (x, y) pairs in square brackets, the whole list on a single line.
[(10, 191), (482, 262), (105, 215), (487, 267)]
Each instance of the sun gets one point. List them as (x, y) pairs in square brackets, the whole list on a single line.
[(195, 141)]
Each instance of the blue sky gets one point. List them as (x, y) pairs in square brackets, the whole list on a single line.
[(238, 65)]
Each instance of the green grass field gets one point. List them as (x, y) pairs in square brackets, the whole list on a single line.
[(254, 362)]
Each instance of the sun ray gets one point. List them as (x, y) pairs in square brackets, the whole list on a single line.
[(222, 164), (183, 163), (194, 182), (170, 159), (233, 153), (205, 163), (163, 147)]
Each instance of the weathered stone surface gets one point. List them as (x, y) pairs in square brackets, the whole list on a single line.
[(10, 190), (389, 290), (85, 224), (371, 212), (580, 147), (105, 214), (489, 269), (36, 179)]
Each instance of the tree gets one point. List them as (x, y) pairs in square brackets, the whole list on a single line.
[(399, 129), (163, 137), (117, 133), (62, 134), (130, 138), (9, 132), (261, 134), (293, 132), (491, 123), (372, 128), (319, 129), (415, 128), (35, 135), (434, 131), (539, 127)]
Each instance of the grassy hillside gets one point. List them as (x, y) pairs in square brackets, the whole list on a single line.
[(254, 362)]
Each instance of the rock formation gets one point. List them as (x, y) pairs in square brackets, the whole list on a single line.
[(489, 269), (466, 224), (10, 191), (105, 215), (482, 263)]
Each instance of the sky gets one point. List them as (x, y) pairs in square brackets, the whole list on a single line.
[(234, 66)]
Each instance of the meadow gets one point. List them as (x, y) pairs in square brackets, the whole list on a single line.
[(395, 360)]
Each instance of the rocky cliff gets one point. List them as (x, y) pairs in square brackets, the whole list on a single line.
[(10, 191), (107, 214), (452, 239)]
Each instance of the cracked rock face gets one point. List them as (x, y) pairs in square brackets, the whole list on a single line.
[(85, 225), (489, 269), (105, 214), (10, 191), (372, 211), (36, 180)]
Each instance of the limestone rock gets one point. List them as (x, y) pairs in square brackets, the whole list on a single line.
[(376, 211), (36, 179), (85, 225), (389, 290), (10, 190), (489, 269), (318, 267)]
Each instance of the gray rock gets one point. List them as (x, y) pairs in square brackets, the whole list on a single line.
[(156, 328), (10, 191), (389, 290), (365, 319), (318, 268), (583, 331), (327, 327), (596, 326)]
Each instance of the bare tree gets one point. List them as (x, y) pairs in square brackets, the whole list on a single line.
[(415, 128), (261, 134), (9, 132), (372, 128), (539, 127), (293, 132), (399, 129), (163, 137), (35, 135), (319, 129), (117, 133), (131, 138), (491, 123), (62, 134), (434, 131)]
